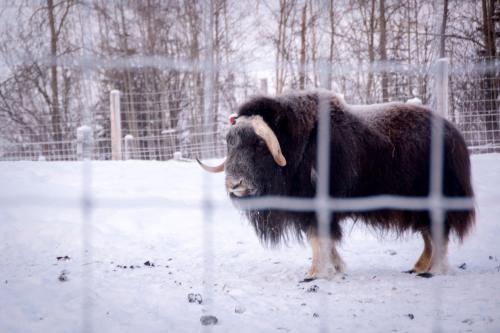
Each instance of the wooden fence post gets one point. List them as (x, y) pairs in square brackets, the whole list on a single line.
[(116, 129)]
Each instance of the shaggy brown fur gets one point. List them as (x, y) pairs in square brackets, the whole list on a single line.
[(381, 149)]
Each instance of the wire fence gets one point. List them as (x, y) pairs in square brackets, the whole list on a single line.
[(163, 124)]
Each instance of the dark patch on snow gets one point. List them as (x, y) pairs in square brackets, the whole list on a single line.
[(463, 266), (426, 275), (315, 315), (63, 258), (195, 298), (313, 289), (411, 316), (391, 252), (150, 264), (239, 309), (63, 277), (306, 280), (208, 320), (468, 321)]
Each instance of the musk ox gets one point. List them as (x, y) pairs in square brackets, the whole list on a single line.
[(382, 149)]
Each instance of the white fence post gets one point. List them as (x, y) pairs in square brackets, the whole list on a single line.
[(128, 146), (442, 87), (116, 129), (83, 143)]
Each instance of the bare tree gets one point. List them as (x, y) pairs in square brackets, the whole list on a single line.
[(303, 46), (383, 48), (442, 37), (43, 86), (490, 82)]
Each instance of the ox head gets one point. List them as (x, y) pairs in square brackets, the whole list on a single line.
[(254, 158)]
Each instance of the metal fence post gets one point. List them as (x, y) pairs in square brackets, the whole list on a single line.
[(83, 143), (116, 130)]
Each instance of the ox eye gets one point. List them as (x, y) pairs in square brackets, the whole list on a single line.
[(261, 146)]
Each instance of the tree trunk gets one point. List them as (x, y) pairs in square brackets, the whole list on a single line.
[(130, 112), (490, 82), (371, 51), (55, 111), (331, 17), (442, 37), (280, 66), (314, 44), (383, 51), (303, 31), (216, 77)]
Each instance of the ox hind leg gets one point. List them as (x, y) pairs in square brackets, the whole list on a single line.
[(424, 261), (324, 255), (439, 260), (433, 259)]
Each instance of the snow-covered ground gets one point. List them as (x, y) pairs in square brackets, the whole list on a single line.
[(159, 218)]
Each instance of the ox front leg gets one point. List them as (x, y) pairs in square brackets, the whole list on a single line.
[(324, 256)]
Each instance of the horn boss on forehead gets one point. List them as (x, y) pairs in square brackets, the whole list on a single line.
[(266, 133)]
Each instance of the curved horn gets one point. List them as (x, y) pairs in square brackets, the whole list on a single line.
[(213, 169), (266, 133)]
